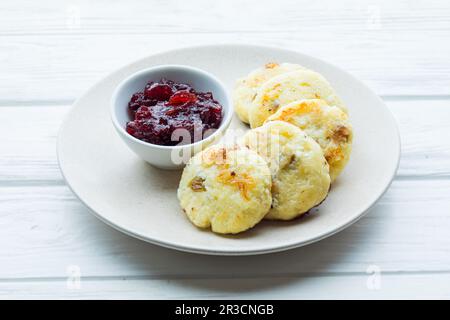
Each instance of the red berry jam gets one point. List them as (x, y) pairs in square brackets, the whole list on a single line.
[(165, 106)]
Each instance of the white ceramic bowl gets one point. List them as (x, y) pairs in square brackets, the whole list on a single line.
[(168, 157)]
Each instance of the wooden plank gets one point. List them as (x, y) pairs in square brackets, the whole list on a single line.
[(424, 131), (387, 286), (28, 140), (54, 52), (28, 153), (47, 231), (138, 16)]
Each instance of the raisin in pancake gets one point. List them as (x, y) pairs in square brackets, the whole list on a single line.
[(226, 188), (327, 125), (300, 176)]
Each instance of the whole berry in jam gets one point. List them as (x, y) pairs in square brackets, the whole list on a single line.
[(182, 97), (158, 91)]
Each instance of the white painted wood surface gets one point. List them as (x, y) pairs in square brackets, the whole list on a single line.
[(51, 51)]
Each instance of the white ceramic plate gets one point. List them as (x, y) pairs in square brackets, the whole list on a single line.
[(140, 200)]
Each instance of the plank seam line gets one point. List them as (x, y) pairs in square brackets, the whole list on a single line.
[(423, 177), (64, 32), (36, 103), (32, 183), (407, 97), (61, 182), (169, 277), (68, 102)]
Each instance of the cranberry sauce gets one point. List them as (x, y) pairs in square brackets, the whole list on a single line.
[(166, 106)]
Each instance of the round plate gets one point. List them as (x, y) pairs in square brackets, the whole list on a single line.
[(140, 200)]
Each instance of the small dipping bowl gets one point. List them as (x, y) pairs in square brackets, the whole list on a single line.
[(168, 157)]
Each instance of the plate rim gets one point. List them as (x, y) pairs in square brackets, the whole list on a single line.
[(228, 252)]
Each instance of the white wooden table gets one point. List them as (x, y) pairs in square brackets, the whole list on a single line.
[(52, 51)]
